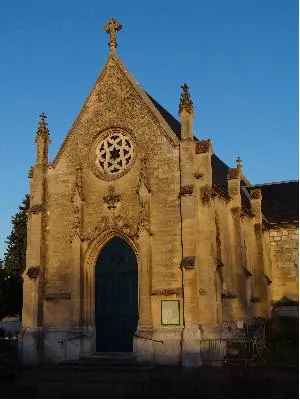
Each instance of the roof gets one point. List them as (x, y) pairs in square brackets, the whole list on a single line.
[(171, 121), (219, 168), (280, 201)]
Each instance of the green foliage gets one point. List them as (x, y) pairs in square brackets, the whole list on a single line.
[(14, 264)]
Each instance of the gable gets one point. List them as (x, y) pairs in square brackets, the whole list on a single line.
[(115, 100)]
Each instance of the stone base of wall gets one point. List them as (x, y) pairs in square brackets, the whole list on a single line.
[(163, 346), (191, 336), (29, 346)]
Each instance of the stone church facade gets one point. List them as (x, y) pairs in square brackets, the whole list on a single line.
[(140, 239)]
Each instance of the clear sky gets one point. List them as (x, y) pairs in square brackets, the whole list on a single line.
[(239, 57)]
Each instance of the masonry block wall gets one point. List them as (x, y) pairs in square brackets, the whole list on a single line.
[(284, 243)]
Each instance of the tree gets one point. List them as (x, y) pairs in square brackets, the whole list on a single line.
[(14, 264)]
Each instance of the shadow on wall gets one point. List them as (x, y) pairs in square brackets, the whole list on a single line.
[(285, 308)]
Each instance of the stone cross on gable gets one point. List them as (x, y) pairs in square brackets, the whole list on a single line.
[(111, 27)]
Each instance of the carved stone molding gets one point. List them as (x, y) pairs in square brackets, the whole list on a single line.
[(177, 291), (57, 296), (109, 222), (254, 299), (112, 198), (255, 194), (233, 173), (143, 224), (198, 175), (202, 146), (33, 272), (186, 190), (226, 294), (188, 262), (76, 222), (78, 184), (30, 172), (205, 194), (268, 280), (36, 208), (247, 272), (143, 178)]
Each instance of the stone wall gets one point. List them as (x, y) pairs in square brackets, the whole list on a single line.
[(284, 262)]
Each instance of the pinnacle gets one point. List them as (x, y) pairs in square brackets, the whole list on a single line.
[(42, 130), (185, 100)]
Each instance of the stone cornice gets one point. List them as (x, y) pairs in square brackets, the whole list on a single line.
[(168, 291)]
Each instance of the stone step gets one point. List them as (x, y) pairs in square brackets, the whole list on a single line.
[(110, 362)]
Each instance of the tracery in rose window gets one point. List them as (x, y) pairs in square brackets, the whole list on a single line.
[(115, 153)]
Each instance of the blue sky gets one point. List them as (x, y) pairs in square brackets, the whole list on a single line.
[(239, 57)]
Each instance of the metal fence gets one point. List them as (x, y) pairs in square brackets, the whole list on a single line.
[(235, 344)]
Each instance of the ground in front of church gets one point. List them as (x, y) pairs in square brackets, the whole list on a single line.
[(235, 381)]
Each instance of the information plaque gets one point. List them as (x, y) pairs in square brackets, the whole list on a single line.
[(170, 312)]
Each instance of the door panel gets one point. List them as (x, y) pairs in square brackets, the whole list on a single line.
[(116, 305)]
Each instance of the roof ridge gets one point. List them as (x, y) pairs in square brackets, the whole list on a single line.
[(273, 183)]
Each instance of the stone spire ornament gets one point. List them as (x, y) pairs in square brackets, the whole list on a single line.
[(185, 100), (111, 27), (239, 163), (42, 141), (43, 131)]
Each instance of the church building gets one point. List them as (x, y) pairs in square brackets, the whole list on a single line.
[(141, 239)]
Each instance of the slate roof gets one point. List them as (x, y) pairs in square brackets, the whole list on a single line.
[(219, 168), (280, 201), (171, 121)]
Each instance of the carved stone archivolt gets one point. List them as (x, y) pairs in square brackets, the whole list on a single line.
[(110, 222), (206, 194)]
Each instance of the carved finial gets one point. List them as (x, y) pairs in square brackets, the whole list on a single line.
[(185, 100), (111, 27), (239, 163), (42, 131)]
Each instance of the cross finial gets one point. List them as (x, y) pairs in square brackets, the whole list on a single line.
[(239, 163), (42, 129), (185, 99), (111, 27)]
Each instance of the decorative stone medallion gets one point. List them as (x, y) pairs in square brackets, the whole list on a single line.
[(113, 154)]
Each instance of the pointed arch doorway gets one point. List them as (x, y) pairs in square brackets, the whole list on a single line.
[(116, 297)]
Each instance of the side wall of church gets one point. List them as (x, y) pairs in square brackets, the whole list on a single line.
[(284, 245)]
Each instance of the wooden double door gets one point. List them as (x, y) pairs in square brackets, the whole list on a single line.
[(116, 303)]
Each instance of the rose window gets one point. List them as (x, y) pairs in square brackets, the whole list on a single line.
[(115, 153)]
